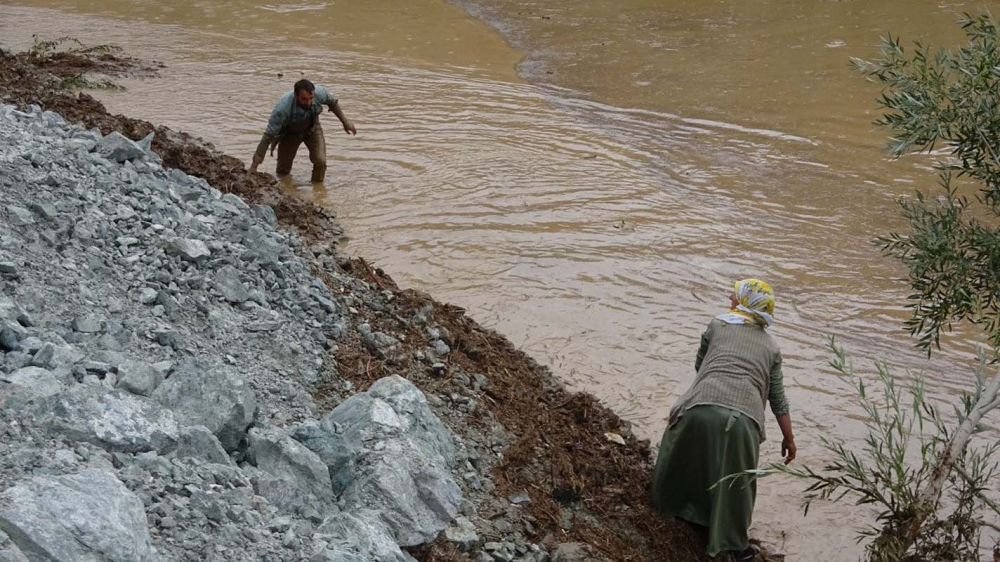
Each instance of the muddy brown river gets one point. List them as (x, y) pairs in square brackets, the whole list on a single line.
[(587, 177)]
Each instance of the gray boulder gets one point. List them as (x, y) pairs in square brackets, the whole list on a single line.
[(274, 452), (227, 280), (266, 214), (138, 377), (200, 443), (66, 356), (88, 324), (235, 201), (9, 310), (216, 397), (389, 453), (346, 537), (12, 554), (89, 516), (463, 534), (119, 148), (9, 551), (42, 382), (188, 249), (43, 357), (112, 419), (146, 144), (19, 216), (379, 343), (11, 335), (283, 495)]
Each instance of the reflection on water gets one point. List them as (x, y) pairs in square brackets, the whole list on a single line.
[(600, 237)]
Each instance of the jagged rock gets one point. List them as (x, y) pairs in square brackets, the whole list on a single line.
[(9, 310), (283, 495), (66, 356), (146, 144), (43, 357), (216, 397), (167, 338), (147, 295), (12, 554), (274, 452), (164, 367), (228, 282), (138, 378), (266, 214), (112, 419), (379, 343), (235, 201), (42, 382), (31, 345), (463, 534), (199, 442), (87, 516), (356, 536), (88, 324), (10, 337), (19, 216), (388, 452), (119, 148), (9, 551), (46, 211), (153, 463), (109, 343), (188, 249)]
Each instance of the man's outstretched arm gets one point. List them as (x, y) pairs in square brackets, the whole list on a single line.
[(270, 136), (348, 126)]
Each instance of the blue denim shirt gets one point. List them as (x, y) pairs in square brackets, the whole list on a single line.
[(286, 111)]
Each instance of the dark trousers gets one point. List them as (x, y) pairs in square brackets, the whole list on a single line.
[(316, 144)]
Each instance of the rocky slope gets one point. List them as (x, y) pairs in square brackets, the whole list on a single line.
[(190, 371)]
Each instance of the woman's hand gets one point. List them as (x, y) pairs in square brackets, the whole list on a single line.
[(788, 449)]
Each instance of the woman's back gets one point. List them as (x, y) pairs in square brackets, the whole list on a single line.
[(734, 370)]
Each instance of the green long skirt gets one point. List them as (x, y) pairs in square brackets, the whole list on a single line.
[(705, 445)]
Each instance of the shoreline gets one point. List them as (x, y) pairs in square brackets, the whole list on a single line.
[(539, 439)]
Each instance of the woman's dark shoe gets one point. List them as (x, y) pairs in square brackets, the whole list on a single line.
[(746, 555)]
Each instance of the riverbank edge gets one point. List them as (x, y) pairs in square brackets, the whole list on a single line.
[(584, 471)]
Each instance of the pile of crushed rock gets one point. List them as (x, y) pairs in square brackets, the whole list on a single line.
[(160, 344)]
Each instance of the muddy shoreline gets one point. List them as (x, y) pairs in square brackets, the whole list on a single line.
[(583, 486)]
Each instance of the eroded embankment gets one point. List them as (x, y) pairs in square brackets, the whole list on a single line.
[(537, 464)]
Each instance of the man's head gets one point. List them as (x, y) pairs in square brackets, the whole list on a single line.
[(304, 92)]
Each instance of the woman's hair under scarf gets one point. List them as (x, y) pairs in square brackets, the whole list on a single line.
[(756, 304)]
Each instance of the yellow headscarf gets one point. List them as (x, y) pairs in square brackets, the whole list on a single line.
[(756, 303)]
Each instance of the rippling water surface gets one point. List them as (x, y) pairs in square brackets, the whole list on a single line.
[(599, 222)]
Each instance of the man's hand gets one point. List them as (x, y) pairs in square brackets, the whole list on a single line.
[(349, 128), (254, 163), (788, 449)]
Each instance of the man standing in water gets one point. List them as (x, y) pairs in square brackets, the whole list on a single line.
[(294, 121)]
